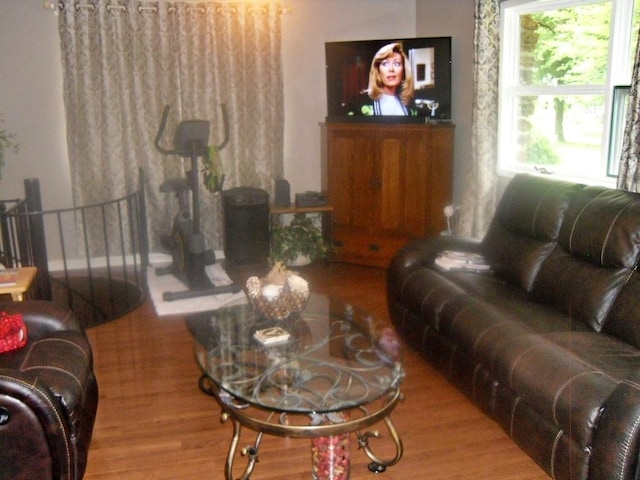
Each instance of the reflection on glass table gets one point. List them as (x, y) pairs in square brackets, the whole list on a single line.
[(339, 371)]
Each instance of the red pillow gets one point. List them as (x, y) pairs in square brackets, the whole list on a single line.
[(13, 332)]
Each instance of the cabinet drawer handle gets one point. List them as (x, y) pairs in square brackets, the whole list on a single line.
[(373, 247)]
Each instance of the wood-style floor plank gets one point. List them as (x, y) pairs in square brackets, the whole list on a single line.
[(153, 422)]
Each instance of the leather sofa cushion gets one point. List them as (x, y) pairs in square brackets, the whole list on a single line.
[(623, 320), (603, 227), (563, 368), (428, 301), (578, 288), (549, 446), (598, 247), (562, 387), (525, 227), (435, 294)]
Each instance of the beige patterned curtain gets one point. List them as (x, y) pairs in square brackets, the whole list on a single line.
[(124, 60), (629, 172), (479, 198)]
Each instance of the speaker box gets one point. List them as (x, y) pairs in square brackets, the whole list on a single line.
[(283, 193), (246, 225)]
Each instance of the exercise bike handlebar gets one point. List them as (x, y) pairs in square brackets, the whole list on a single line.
[(163, 125)]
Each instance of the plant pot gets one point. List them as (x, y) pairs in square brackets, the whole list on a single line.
[(300, 261), (298, 243)]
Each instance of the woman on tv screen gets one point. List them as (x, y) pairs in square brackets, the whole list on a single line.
[(390, 90)]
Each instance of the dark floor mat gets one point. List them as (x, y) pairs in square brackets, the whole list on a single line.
[(96, 300)]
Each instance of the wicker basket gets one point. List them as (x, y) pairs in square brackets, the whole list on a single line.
[(287, 304)]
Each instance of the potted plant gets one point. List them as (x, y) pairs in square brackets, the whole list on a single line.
[(298, 243), (7, 142)]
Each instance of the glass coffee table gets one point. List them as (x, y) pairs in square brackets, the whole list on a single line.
[(338, 373)]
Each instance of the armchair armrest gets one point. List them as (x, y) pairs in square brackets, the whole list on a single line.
[(43, 317), (48, 397), (34, 431)]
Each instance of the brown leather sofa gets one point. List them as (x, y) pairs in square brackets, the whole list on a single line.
[(548, 345), (48, 397)]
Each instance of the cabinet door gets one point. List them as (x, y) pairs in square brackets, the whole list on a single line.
[(403, 164), (438, 185), (351, 162), (387, 184)]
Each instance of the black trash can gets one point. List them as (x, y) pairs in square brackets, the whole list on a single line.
[(246, 225)]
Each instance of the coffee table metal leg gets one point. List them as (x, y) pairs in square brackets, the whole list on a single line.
[(379, 464), (230, 410), (251, 452)]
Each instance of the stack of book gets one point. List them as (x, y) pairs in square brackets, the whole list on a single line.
[(8, 277), (451, 260)]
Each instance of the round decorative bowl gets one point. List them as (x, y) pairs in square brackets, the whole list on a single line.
[(278, 297)]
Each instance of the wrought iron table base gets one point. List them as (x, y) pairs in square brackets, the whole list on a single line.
[(236, 413)]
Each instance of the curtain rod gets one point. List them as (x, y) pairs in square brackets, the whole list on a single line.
[(57, 7)]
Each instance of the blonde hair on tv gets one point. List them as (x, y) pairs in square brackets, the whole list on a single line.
[(375, 80)]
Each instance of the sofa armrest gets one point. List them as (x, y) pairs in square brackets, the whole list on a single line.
[(616, 447), (34, 431), (422, 252)]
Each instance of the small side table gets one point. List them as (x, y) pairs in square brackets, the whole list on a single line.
[(25, 278), (326, 212)]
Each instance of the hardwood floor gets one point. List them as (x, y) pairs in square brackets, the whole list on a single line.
[(154, 423)]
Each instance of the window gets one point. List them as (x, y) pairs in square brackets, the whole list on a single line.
[(560, 64)]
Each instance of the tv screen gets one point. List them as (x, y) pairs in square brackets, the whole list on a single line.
[(423, 63)]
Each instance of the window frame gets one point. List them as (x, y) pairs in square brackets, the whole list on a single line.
[(619, 108), (510, 90)]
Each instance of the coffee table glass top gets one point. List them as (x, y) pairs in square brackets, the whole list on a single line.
[(337, 357)]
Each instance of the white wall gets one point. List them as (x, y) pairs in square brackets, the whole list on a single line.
[(31, 102), (305, 31), (454, 18), (31, 81)]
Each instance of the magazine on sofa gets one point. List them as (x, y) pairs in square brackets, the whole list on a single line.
[(453, 260)]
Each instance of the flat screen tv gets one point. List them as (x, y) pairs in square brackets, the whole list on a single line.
[(348, 64)]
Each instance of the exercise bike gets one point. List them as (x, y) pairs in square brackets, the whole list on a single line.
[(186, 241)]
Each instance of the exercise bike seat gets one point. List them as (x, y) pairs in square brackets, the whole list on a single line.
[(177, 185)]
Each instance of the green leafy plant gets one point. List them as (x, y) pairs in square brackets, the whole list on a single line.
[(213, 171), (7, 142), (300, 238), (540, 151)]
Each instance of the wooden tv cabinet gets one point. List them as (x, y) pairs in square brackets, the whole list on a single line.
[(388, 184)]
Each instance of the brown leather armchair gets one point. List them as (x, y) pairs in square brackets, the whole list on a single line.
[(48, 397)]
